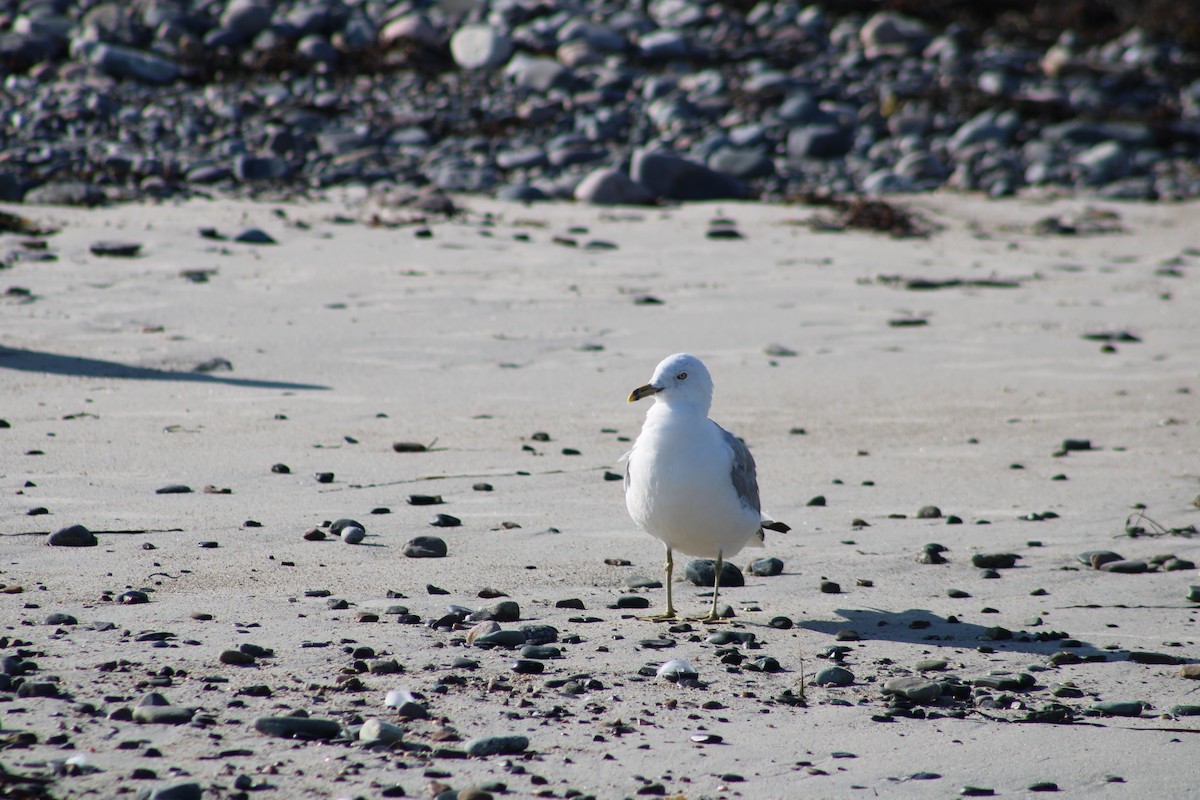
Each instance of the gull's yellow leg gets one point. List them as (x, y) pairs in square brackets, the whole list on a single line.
[(713, 616), (669, 614)]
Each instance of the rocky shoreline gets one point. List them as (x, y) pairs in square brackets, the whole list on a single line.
[(674, 100)]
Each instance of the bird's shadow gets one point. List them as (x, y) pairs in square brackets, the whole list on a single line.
[(75, 366), (922, 627)]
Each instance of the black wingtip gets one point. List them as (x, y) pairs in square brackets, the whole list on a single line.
[(778, 527)]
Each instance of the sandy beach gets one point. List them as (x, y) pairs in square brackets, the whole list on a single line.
[(505, 340)]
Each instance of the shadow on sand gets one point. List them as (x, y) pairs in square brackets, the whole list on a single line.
[(53, 364), (918, 626)]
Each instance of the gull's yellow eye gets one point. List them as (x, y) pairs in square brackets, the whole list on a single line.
[(681, 376)]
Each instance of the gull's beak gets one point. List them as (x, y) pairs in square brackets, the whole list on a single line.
[(643, 391)]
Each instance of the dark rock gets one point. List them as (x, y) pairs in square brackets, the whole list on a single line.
[(72, 536), (497, 746), (306, 728), (766, 567), (425, 547), (670, 176), (702, 572)]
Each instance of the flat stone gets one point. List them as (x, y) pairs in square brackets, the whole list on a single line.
[(609, 186), (497, 745), (1128, 567), (306, 728), (163, 715), (377, 730), (1119, 708), (425, 547), (919, 690), (995, 560)]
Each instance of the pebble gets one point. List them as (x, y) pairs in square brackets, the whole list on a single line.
[(352, 534), (766, 567), (189, 790), (995, 560), (425, 547), (496, 746), (445, 521), (702, 572), (1130, 566), (929, 512), (1119, 708), (834, 676), (676, 670), (163, 714), (115, 249), (306, 728), (918, 690), (72, 536), (377, 730)]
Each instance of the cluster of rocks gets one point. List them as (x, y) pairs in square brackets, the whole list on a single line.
[(605, 102)]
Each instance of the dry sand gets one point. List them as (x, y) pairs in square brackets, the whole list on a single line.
[(346, 337)]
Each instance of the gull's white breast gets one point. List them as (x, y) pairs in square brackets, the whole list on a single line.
[(680, 489)]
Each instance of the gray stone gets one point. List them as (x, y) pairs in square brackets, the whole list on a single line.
[(662, 45), (247, 17), (702, 572), (479, 47), (128, 62), (743, 164), (497, 745), (821, 140), (834, 676), (425, 547), (72, 536), (890, 34), (1119, 708), (65, 193), (766, 567), (1103, 162), (307, 728), (536, 73), (316, 49), (918, 690), (502, 638), (258, 168), (377, 730), (163, 715), (1129, 567), (671, 176), (609, 186), (175, 791)]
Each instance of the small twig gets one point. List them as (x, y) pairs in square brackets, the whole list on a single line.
[(1134, 530)]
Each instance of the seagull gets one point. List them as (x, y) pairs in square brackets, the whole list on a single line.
[(689, 482)]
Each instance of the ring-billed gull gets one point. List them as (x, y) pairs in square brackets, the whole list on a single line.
[(689, 482)]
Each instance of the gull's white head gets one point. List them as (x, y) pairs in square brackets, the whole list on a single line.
[(680, 381)]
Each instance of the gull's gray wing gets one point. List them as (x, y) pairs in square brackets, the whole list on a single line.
[(743, 475)]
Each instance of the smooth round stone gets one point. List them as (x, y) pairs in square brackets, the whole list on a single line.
[(479, 47), (830, 587), (1127, 567), (307, 728), (163, 715), (61, 619), (1185, 711), (445, 521), (72, 536), (526, 666), (919, 690), (732, 637), (1119, 708), (929, 512), (505, 638), (1193, 594), (765, 664), (957, 594), (1097, 558), (353, 535), (834, 676), (175, 791), (642, 582), (339, 525), (632, 601), (781, 623), (931, 665), (110, 249), (702, 572), (425, 547), (540, 652), (496, 746), (540, 634), (676, 670), (377, 730), (1043, 786), (766, 567), (133, 597), (995, 560), (235, 658)]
